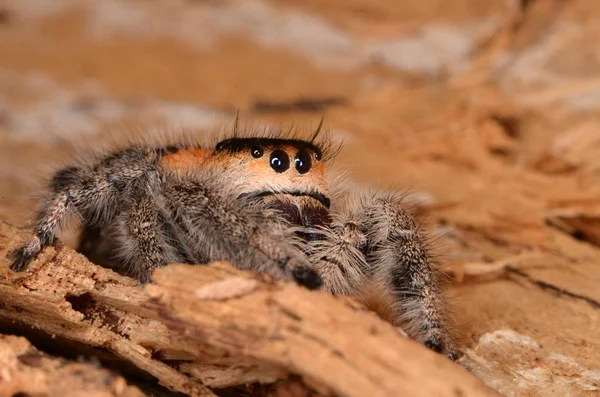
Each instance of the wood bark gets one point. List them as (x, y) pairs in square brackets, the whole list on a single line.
[(198, 329), (26, 371)]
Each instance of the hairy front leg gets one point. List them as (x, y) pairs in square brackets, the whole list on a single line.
[(400, 262), (238, 231), (94, 194), (142, 241)]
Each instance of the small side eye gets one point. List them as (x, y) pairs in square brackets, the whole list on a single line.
[(303, 161), (257, 151), (280, 161), (318, 155)]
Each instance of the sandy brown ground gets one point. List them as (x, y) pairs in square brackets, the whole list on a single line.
[(487, 110)]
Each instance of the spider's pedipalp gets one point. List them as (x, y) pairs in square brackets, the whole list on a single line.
[(336, 254)]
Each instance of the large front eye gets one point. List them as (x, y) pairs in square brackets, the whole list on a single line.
[(280, 161), (303, 161)]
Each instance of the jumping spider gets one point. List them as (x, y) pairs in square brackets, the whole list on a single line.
[(262, 202)]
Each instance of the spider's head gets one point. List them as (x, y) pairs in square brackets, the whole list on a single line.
[(276, 167)]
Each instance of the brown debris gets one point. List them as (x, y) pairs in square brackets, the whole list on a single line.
[(539, 369), (26, 371)]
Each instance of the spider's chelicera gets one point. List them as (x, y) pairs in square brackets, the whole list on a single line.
[(263, 203)]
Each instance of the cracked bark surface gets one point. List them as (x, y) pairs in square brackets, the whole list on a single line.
[(26, 371), (200, 328)]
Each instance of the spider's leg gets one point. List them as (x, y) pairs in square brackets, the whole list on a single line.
[(229, 228), (89, 239), (94, 193), (143, 241), (399, 258)]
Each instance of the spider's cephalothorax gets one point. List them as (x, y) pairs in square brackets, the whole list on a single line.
[(263, 203)]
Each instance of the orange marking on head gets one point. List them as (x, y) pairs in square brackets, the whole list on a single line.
[(318, 168), (185, 158)]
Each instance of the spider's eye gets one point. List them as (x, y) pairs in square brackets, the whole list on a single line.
[(303, 162), (257, 151), (318, 155), (280, 161)]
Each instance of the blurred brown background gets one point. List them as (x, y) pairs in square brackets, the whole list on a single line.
[(487, 109)]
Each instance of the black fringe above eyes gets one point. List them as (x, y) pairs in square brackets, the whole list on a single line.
[(235, 145)]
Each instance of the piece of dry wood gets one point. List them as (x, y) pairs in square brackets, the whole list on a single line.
[(26, 371), (78, 303), (337, 348), (237, 327), (487, 271)]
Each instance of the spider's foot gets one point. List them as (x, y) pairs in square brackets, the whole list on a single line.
[(442, 347), (307, 277), (21, 259)]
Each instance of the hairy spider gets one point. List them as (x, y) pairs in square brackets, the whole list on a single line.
[(263, 202)]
